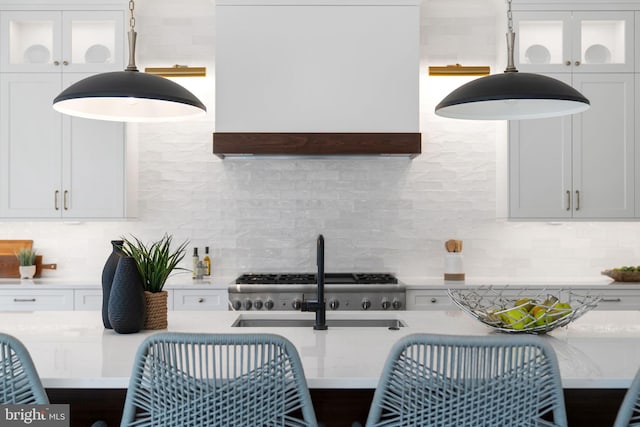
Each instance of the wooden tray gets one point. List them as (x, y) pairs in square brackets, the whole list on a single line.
[(9, 267), (622, 276), (11, 247)]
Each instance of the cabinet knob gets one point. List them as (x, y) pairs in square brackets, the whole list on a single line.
[(64, 200), (611, 300), (577, 200), (434, 300), (65, 63), (200, 300), (56, 63), (55, 200), (568, 200), (567, 63), (577, 63)]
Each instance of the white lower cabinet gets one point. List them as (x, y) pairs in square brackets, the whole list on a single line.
[(612, 299), (429, 300), (36, 299), (195, 299), (87, 299)]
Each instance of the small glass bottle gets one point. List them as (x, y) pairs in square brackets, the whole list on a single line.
[(207, 262), (200, 270), (195, 260)]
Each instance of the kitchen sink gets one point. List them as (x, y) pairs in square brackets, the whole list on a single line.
[(280, 322)]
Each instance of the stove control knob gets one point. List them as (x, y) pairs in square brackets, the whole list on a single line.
[(397, 304), (385, 304), (247, 304), (296, 304), (236, 304), (268, 304), (257, 304), (366, 304), (334, 304)]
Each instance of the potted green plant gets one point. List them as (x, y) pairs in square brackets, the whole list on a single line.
[(156, 262), (27, 262)]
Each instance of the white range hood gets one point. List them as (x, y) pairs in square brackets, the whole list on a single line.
[(314, 68)]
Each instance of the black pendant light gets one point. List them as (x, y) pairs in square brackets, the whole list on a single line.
[(512, 95), (129, 96)]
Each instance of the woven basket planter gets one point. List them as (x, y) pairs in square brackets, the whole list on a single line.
[(156, 310)]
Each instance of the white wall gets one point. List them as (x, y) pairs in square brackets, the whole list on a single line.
[(376, 213)]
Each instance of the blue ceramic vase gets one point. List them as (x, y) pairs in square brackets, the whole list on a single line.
[(126, 301)]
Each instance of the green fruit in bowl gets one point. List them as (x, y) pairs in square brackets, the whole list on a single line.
[(524, 303), (561, 310), (515, 318), (541, 315)]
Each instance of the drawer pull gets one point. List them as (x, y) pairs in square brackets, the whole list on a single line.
[(200, 300), (434, 300), (24, 300), (610, 300)]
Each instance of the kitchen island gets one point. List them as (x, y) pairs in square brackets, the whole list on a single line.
[(73, 352)]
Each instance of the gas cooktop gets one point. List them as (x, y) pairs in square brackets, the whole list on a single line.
[(310, 278)]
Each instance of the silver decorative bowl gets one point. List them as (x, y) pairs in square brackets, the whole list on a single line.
[(527, 310)]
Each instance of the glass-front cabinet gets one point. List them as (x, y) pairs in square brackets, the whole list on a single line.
[(578, 41), (54, 41)]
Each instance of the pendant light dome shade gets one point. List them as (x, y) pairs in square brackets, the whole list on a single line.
[(129, 96), (512, 95)]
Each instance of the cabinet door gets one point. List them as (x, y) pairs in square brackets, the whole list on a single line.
[(93, 159), (92, 41), (603, 41), (603, 147), (543, 41), (549, 42), (30, 143), (540, 167), (31, 41)]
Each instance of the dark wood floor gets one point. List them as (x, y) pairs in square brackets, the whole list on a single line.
[(334, 408)]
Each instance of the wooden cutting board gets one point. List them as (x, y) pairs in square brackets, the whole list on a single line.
[(9, 267), (11, 247)]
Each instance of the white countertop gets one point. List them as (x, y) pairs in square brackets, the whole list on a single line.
[(73, 350), (178, 282), (438, 282)]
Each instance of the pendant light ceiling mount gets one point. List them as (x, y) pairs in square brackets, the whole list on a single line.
[(512, 95), (129, 95)]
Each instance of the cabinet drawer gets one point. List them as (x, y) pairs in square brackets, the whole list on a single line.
[(619, 302), (87, 299), (200, 299), (36, 300), (429, 300)]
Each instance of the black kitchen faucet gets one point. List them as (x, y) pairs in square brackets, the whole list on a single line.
[(318, 306)]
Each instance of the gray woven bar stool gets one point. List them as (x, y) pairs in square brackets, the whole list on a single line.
[(19, 380), (217, 380), (442, 380), (629, 412)]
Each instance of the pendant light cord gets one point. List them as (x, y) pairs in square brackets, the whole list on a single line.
[(511, 39), (132, 35)]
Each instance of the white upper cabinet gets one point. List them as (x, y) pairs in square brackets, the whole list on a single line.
[(56, 166), (579, 166), (54, 41), (574, 41), (53, 165)]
